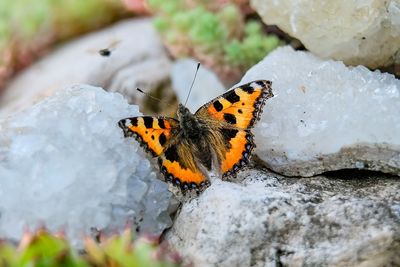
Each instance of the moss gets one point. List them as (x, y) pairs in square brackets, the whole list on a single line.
[(219, 35), (253, 47)]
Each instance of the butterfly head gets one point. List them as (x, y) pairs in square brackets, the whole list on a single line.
[(190, 125), (183, 111), (185, 116)]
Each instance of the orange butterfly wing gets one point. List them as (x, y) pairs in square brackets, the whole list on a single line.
[(153, 133), (158, 136), (240, 144), (240, 107), (178, 166), (237, 111)]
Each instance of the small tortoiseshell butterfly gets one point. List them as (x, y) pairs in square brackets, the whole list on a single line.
[(218, 134)]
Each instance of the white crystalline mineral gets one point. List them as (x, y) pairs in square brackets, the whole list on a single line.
[(64, 163), (326, 116), (363, 32)]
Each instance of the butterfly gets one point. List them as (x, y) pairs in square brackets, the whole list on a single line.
[(217, 135)]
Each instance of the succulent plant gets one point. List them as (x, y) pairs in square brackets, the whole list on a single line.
[(46, 250), (122, 251), (216, 34), (137, 6), (40, 249)]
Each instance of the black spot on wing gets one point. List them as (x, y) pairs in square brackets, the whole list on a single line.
[(218, 106), (148, 122), (134, 121), (247, 88), (121, 124), (230, 118), (260, 83), (161, 123), (162, 139), (228, 134), (232, 97), (171, 154)]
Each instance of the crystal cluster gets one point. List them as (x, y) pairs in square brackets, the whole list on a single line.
[(357, 32), (326, 116), (64, 163)]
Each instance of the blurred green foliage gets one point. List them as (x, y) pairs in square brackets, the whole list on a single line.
[(26, 19), (28, 27), (42, 249), (252, 48), (220, 35)]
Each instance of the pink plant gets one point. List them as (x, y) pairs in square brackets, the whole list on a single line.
[(137, 6)]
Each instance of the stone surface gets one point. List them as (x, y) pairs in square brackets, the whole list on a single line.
[(268, 220), (357, 32), (205, 87), (137, 59), (65, 163), (326, 116)]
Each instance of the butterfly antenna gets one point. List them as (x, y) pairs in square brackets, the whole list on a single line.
[(152, 97), (191, 86)]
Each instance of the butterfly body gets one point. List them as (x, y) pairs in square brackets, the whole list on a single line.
[(192, 127), (216, 136)]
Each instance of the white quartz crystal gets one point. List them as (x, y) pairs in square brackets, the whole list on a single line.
[(326, 116), (64, 163), (358, 32)]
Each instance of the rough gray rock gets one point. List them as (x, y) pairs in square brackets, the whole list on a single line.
[(326, 116), (344, 219), (137, 59)]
